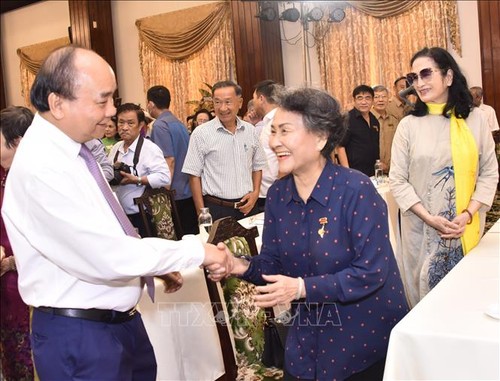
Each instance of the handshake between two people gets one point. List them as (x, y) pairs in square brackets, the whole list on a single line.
[(218, 262), (279, 289)]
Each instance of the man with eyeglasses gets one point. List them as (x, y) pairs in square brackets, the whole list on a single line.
[(225, 158), (388, 124), (397, 106), (361, 142), (150, 168)]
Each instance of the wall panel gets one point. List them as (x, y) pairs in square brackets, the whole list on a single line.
[(92, 27), (489, 36), (257, 47)]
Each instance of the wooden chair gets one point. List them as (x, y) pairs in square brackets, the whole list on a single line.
[(161, 219), (240, 241), (159, 213)]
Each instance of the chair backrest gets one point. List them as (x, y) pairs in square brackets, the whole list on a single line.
[(228, 227), (159, 213), (249, 345), (221, 230)]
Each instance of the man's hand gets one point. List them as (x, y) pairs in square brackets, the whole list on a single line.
[(385, 167), (249, 199), (172, 281), (218, 261), (128, 178)]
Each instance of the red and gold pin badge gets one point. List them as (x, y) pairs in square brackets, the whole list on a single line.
[(323, 221)]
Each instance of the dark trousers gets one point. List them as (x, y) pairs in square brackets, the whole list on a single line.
[(218, 211), (67, 348), (261, 204), (136, 221), (187, 215)]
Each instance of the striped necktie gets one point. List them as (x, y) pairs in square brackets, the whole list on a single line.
[(127, 226)]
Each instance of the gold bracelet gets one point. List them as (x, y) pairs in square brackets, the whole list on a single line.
[(470, 216)]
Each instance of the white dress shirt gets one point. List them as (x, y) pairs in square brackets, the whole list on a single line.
[(224, 161), (270, 172), (491, 116), (151, 164), (97, 148), (71, 251)]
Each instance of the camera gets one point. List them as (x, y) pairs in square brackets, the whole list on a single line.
[(117, 167)]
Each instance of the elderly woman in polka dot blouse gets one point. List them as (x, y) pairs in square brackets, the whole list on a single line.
[(326, 246)]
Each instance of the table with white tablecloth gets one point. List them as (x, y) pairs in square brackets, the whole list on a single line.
[(392, 210), (182, 330), (452, 333)]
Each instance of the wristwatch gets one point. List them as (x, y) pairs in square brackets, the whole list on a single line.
[(139, 181)]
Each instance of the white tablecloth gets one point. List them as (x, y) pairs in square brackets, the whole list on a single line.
[(392, 209), (182, 331), (448, 335)]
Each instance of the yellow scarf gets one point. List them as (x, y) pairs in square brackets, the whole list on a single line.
[(465, 158)]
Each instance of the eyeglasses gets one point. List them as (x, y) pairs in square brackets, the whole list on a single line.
[(424, 75), (122, 123), (218, 103), (360, 98)]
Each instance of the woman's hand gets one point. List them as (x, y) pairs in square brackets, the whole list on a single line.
[(7, 264), (448, 229), (445, 228), (279, 289)]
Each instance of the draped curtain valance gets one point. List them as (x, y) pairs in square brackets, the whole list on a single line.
[(383, 8), (184, 49), (31, 58), (377, 50), (389, 8), (179, 34)]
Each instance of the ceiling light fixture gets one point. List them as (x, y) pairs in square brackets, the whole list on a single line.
[(336, 15), (267, 14), (290, 14), (315, 14)]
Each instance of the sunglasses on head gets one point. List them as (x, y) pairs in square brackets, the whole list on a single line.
[(424, 75)]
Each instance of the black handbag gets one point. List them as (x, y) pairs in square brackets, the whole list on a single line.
[(274, 343)]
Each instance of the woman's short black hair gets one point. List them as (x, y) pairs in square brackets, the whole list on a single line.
[(459, 97), (14, 121), (203, 111), (320, 112)]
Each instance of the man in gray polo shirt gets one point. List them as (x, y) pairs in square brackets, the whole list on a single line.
[(225, 158)]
